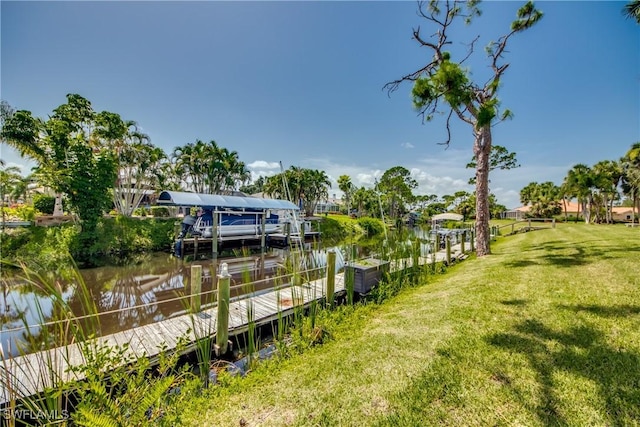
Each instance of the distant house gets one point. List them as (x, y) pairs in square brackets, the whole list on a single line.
[(618, 213), (622, 213), (332, 204)]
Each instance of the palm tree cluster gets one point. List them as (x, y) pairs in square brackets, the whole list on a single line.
[(597, 189), (209, 168), (75, 132), (305, 187)]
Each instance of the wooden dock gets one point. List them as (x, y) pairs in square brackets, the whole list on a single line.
[(30, 374)]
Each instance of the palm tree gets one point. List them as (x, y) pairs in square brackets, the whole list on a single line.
[(9, 178), (580, 181), (631, 175), (632, 10), (209, 168), (608, 174), (543, 198), (346, 186)]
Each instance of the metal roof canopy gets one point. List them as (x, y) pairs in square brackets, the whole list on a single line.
[(181, 198), (447, 217)]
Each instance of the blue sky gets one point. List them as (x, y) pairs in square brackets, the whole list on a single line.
[(301, 82)]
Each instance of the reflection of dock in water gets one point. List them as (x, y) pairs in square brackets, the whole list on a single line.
[(28, 378), (28, 375)]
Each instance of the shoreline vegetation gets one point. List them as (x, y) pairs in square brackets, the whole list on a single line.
[(544, 331), (45, 248)]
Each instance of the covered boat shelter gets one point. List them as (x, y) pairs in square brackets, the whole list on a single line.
[(220, 202), (448, 216), (220, 207)]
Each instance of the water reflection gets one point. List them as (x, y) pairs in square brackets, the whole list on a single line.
[(157, 287), (135, 295)]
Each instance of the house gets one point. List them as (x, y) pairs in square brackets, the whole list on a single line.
[(618, 213)]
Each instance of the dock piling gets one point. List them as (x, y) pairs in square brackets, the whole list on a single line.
[(473, 241), (331, 277), (196, 287), (222, 325)]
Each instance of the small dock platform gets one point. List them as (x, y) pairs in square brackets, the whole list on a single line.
[(30, 374)]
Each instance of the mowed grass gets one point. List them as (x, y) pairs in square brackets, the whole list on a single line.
[(546, 331)]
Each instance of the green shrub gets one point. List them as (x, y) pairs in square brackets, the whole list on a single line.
[(26, 213), (44, 203), (48, 248), (140, 211), (371, 226), (160, 211)]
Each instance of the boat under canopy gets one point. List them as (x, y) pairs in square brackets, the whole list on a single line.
[(217, 201)]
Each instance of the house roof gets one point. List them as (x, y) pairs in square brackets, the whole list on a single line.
[(180, 198), (573, 207)]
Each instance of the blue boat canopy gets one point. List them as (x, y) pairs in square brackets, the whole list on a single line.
[(181, 198)]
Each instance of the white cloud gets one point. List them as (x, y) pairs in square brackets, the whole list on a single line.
[(262, 164), (442, 172), (407, 145)]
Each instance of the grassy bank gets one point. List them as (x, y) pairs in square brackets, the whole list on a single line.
[(340, 227), (545, 331)]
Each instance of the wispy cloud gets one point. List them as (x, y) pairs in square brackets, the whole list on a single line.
[(407, 145), (262, 164)]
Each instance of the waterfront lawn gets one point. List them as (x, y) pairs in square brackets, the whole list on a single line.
[(545, 331)]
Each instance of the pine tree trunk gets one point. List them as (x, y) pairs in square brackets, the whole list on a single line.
[(482, 150)]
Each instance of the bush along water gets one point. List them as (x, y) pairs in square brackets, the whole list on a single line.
[(41, 247)]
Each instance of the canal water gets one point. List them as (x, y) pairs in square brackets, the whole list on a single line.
[(155, 288)]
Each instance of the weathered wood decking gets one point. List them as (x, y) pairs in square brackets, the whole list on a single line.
[(32, 373)]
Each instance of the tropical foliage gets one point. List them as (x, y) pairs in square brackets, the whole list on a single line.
[(597, 189), (304, 187), (72, 156), (139, 164), (396, 185), (632, 10), (209, 168), (543, 198)]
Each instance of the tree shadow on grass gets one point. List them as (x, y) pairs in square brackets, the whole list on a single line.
[(519, 263), (622, 310), (582, 351), (517, 302)]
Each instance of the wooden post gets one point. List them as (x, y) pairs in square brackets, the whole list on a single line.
[(433, 258), (464, 236), (529, 224), (222, 325), (553, 223), (195, 287), (195, 247), (214, 235), (473, 241), (331, 277), (447, 243), (287, 228), (263, 239), (437, 242)]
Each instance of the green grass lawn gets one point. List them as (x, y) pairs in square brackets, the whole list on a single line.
[(546, 331)]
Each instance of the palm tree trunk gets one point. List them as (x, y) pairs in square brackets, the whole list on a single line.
[(57, 207)]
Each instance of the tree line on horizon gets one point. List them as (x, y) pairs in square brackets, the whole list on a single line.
[(596, 189)]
